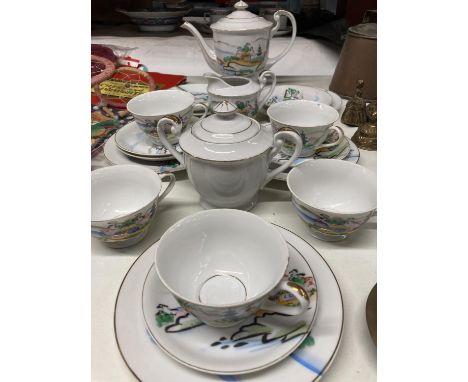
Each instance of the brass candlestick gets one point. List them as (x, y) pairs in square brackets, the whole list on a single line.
[(355, 111), (366, 135)]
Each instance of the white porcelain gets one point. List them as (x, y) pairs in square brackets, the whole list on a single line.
[(228, 351), (241, 42), (242, 91), (292, 91), (334, 198), (148, 108), (215, 14), (307, 364), (123, 203), (227, 156), (116, 156), (223, 265), (311, 120)]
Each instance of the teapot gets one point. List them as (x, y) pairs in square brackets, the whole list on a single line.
[(241, 91), (227, 155), (241, 42)]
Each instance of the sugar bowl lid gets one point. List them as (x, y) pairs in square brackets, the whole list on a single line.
[(226, 136), (241, 20)]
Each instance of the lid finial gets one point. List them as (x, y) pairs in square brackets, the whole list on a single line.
[(241, 5), (225, 108)]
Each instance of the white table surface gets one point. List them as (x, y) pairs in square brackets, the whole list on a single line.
[(353, 262)]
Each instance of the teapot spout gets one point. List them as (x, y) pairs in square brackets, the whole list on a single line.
[(208, 53)]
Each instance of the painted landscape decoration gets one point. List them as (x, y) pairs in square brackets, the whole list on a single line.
[(242, 60)]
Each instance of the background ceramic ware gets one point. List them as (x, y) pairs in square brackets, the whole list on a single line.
[(227, 156), (222, 266), (149, 108), (124, 199), (334, 198), (241, 42), (311, 120), (241, 91), (215, 14), (158, 21)]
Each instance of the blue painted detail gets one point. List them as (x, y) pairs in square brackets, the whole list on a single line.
[(306, 364)]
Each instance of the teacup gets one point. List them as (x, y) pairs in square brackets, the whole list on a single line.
[(124, 199), (333, 197), (222, 265), (311, 120), (149, 108)]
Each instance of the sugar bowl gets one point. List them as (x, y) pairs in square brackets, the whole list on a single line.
[(227, 155)]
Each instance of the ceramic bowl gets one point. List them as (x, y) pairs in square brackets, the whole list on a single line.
[(123, 203), (158, 21), (311, 120), (333, 197), (221, 264), (149, 108)]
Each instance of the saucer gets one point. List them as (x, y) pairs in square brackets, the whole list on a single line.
[(288, 92), (116, 156), (350, 154), (253, 345), (307, 364), (134, 142)]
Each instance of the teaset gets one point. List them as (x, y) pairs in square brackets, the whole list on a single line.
[(211, 264)]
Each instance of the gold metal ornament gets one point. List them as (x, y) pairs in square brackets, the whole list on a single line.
[(366, 135), (355, 111)]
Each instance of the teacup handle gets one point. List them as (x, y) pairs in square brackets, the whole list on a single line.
[(336, 143), (263, 80), (172, 180), (297, 291), (203, 106), (272, 60), (278, 142), (176, 128)]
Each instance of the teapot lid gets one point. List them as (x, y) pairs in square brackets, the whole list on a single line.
[(226, 136), (241, 20)]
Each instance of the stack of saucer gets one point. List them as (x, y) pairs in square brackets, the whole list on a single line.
[(346, 150), (131, 145)]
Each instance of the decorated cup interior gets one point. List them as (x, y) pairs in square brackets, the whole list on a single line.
[(121, 190), (221, 257), (156, 104), (334, 186), (302, 114)]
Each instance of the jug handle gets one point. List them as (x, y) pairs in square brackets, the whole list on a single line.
[(263, 80), (272, 60), (278, 142), (176, 128)]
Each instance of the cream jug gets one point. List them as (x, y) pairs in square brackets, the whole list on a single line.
[(241, 91)]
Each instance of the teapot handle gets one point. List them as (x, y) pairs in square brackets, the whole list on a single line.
[(263, 80), (176, 127), (271, 61), (278, 142)]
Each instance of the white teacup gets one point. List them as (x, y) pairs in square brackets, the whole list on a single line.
[(333, 197), (124, 199), (221, 265), (311, 120), (149, 108)]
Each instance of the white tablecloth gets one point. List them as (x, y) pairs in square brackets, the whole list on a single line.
[(182, 54), (353, 261)]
